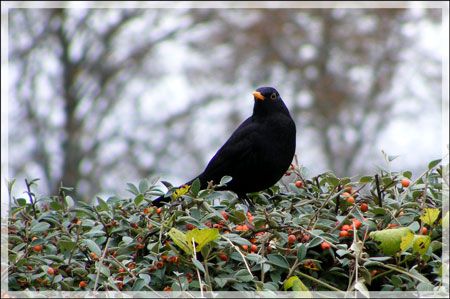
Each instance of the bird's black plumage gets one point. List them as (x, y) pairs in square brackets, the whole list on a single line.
[(258, 152)]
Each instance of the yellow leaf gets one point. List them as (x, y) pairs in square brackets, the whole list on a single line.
[(180, 191), (430, 215), (202, 237), (179, 238), (393, 240), (407, 241), (298, 286), (421, 244)]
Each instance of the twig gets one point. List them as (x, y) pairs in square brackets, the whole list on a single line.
[(100, 263), (237, 249), (31, 197), (194, 254), (380, 199)]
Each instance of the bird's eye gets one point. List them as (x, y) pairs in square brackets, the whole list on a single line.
[(273, 96)]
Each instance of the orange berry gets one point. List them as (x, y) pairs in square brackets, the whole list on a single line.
[(349, 189), (51, 271), (164, 257), (344, 233), (292, 239), (131, 265), (299, 184), (364, 207), (392, 225), (37, 248), (159, 264), (159, 210), (424, 230), (224, 215), (167, 289), (82, 284), (325, 245), (350, 200), (119, 285), (346, 194), (374, 272), (223, 256), (93, 256), (122, 270), (139, 246), (254, 248), (253, 240), (346, 227), (245, 247), (147, 211), (357, 223), (405, 182)]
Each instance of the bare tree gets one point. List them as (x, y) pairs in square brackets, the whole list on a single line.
[(75, 73), (339, 66)]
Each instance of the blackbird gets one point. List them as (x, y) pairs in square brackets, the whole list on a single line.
[(258, 152)]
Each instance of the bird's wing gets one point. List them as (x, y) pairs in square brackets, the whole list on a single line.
[(238, 148)]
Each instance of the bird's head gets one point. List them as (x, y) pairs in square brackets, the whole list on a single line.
[(268, 100)]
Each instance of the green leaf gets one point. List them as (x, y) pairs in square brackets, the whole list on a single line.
[(365, 179), (179, 238), (430, 216), (195, 187), (198, 265), (93, 247), (40, 227), (278, 260), (143, 186), (433, 163), (392, 239), (138, 199), (138, 284), (202, 237), (301, 252), (102, 205), (66, 245), (224, 180)]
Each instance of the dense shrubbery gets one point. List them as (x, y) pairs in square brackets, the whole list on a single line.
[(380, 232)]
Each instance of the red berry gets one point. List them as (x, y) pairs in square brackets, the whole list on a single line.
[(254, 248), (173, 259), (190, 226), (122, 270), (364, 207), (224, 215), (424, 230), (158, 210), (223, 256), (325, 245), (159, 264), (344, 233), (292, 239), (350, 200), (299, 184), (245, 247), (51, 271), (82, 284)]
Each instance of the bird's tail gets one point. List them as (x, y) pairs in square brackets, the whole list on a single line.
[(159, 202)]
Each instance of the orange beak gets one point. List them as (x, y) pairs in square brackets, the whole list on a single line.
[(258, 96)]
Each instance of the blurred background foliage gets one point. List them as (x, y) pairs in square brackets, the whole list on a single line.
[(101, 97)]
